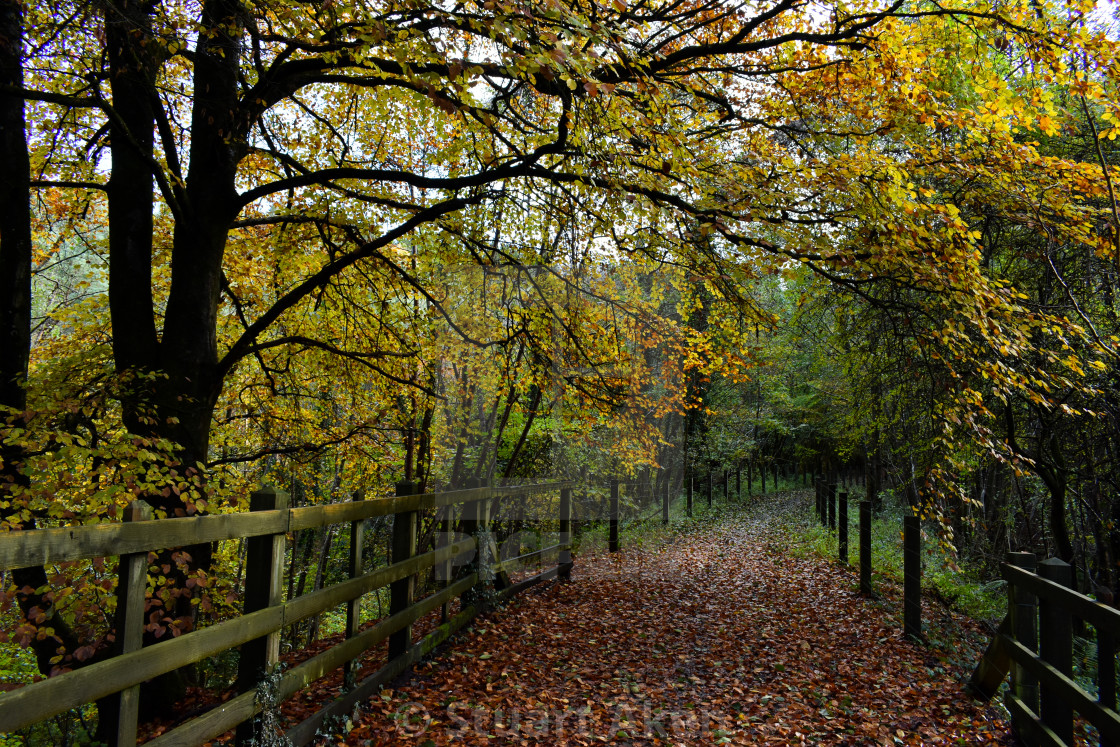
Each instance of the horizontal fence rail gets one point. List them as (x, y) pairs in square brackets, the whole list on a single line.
[(41, 700), (1035, 643), (256, 631), (22, 549)]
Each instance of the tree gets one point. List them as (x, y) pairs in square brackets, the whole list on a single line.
[(265, 160)]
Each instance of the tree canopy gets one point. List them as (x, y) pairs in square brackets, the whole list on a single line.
[(339, 244)]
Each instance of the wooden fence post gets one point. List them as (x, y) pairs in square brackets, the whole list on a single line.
[(1106, 673), (832, 505), (612, 544), (993, 667), (264, 570), (473, 524), (912, 576), (1022, 606), (1055, 646), (446, 526), (354, 606), (122, 709), (842, 518), (402, 591), (865, 548), (564, 570), (688, 494)]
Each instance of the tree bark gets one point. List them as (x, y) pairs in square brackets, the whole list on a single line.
[(696, 395), (132, 72), (15, 327), (1056, 484), (171, 383)]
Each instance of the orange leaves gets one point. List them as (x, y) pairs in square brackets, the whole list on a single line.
[(709, 637)]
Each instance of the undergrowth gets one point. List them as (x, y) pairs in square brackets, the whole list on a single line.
[(958, 586)]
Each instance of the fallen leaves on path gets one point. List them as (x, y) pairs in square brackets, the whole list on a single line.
[(303, 704), (712, 636)]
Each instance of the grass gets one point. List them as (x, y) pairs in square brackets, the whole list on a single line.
[(649, 533), (647, 530), (961, 588), (802, 536), (957, 626)]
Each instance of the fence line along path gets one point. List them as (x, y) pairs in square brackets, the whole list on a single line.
[(718, 634), (115, 681), (1034, 644)]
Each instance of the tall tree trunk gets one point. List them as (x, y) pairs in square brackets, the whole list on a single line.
[(15, 323), (695, 424), (1114, 548), (177, 404), (130, 45), (488, 459), (1056, 483), (424, 451), (470, 391), (324, 557)]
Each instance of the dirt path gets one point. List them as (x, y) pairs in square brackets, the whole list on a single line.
[(714, 636)]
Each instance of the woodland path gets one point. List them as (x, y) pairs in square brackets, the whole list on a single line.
[(718, 634)]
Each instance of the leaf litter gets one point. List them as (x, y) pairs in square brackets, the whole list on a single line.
[(710, 635)]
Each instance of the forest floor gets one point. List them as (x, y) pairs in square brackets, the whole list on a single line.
[(718, 632)]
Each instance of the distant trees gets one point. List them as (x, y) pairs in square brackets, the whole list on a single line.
[(347, 244)]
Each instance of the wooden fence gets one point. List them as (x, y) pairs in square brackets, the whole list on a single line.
[(643, 496), (1035, 644), (265, 614), (832, 512)]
